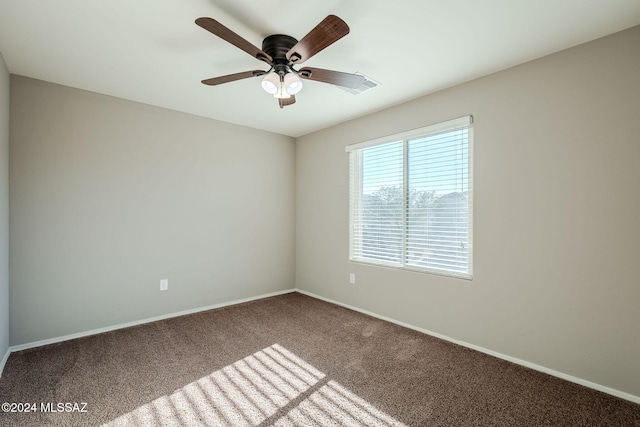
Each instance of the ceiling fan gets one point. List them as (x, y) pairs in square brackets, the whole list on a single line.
[(282, 53)]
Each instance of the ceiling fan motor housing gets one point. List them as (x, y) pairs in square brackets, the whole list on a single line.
[(277, 46)]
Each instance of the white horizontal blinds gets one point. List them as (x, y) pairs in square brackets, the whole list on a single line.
[(355, 204), (378, 223), (411, 199), (438, 201)]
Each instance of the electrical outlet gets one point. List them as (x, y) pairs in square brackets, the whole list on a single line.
[(352, 278), (164, 284)]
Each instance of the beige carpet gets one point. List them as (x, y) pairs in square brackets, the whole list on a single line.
[(288, 360)]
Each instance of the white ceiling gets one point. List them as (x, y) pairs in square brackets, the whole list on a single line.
[(151, 51)]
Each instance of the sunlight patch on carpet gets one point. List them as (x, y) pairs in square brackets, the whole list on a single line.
[(272, 386)]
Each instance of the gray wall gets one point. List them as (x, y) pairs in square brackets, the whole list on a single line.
[(109, 196), (4, 210), (557, 204)]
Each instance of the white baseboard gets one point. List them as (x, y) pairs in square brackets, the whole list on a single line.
[(4, 360), (34, 344), (571, 378)]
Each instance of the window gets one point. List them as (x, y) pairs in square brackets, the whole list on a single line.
[(411, 200)]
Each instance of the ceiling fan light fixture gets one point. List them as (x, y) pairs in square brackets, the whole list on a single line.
[(292, 83), (271, 83)]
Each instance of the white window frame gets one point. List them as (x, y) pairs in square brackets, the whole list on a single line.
[(404, 137)]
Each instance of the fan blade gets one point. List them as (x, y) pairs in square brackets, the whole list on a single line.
[(233, 77), (283, 102), (351, 81), (329, 31), (226, 34)]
